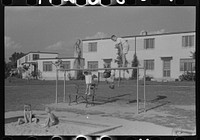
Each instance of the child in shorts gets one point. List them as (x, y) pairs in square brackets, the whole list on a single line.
[(88, 81), (28, 116), (123, 46), (51, 119)]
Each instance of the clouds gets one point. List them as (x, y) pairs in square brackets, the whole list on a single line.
[(10, 44), (60, 45), (157, 32), (98, 35)]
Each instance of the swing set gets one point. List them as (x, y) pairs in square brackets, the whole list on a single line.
[(93, 94)]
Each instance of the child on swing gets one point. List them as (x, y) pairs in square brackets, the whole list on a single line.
[(28, 116), (123, 46)]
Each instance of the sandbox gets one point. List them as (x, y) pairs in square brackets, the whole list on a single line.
[(65, 127)]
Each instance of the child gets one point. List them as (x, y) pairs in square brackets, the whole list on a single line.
[(122, 45), (28, 116), (111, 80), (51, 119), (88, 81)]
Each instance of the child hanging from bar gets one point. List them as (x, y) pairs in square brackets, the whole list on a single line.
[(28, 116), (109, 75), (123, 48)]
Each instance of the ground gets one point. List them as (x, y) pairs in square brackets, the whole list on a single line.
[(169, 105)]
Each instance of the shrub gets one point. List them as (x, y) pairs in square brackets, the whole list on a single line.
[(188, 76), (80, 75), (148, 78)]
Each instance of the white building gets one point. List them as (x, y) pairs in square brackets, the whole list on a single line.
[(165, 56), (44, 64)]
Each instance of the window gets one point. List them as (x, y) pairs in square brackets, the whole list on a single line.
[(188, 41), (29, 57), (149, 43), (107, 63), (35, 56), (92, 47), (66, 65), (149, 64), (187, 64), (26, 58), (166, 68), (92, 64), (47, 66)]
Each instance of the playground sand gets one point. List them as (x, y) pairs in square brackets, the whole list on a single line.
[(121, 114), (128, 127)]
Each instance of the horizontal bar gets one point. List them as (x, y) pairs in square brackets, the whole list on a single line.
[(121, 68)]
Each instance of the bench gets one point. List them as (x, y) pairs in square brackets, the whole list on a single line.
[(79, 92)]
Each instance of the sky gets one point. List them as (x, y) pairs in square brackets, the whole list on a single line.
[(56, 29)]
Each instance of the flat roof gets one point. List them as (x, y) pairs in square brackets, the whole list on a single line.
[(43, 52), (140, 35), (59, 58)]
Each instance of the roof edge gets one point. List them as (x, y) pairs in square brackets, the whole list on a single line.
[(140, 35)]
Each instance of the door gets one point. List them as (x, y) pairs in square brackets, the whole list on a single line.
[(166, 68)]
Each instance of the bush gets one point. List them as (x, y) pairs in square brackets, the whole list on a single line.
[(188, 76), (80, 75), (148, 78)]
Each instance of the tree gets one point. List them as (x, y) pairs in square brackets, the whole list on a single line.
[(193, 55), (119, 55), (135, 63), (78, 62), (14, 57)]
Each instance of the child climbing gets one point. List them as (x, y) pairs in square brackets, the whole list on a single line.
[(123, 48), (28, 116)]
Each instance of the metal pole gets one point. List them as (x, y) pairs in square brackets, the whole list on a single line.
[(137, 91), (56, 85), (144, 90), (64, 86), (119, 78)]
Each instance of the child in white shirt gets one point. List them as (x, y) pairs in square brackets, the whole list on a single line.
[(124, 46), (88, 81)]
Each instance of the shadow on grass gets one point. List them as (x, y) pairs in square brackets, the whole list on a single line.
[(159, 105), (100, 101), (122, 95), (157, 99)]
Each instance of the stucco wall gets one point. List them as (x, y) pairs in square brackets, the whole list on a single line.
[(169, 45)]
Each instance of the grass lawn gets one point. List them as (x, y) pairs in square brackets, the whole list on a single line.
[(172, 103), (39, 93)]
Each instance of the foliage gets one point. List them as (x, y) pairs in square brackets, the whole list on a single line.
[(118, 60), (188, 76), (193, 55), (80, 75), (148, 78), (14, 57), (7, 67), (135, 63), (78, 62)]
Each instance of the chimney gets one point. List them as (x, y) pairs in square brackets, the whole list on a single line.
[(143, 32)]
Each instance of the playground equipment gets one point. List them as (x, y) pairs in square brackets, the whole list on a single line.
[(120, 68)]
